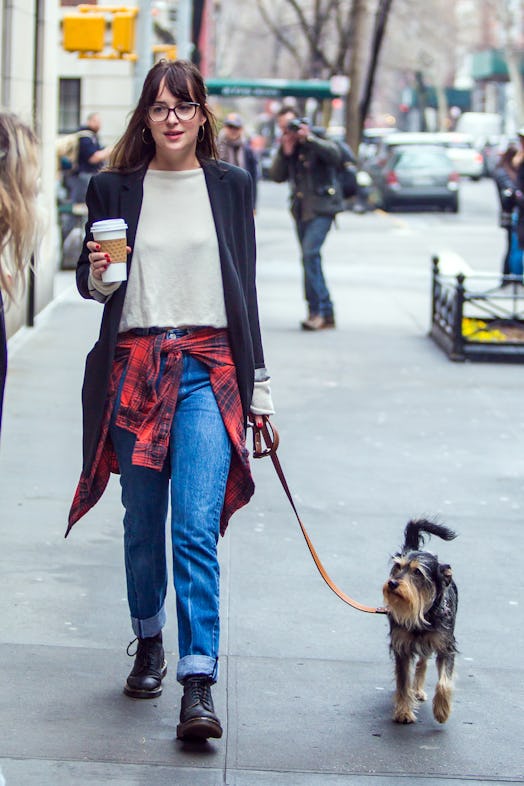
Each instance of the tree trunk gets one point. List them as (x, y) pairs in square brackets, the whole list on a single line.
[(356, 70), (379, 30), (513, 63)]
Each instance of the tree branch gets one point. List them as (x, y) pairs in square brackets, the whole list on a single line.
[(277, 32)]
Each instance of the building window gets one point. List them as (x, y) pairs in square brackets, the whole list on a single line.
[(68, 105)]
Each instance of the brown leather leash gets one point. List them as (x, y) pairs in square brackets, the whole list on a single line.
[(271, 438)]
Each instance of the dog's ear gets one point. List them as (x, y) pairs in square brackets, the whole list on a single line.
[(446, 574)]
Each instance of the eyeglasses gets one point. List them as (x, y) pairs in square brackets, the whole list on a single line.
[(186, 110)]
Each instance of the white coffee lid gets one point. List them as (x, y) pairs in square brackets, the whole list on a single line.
[(108, 225)]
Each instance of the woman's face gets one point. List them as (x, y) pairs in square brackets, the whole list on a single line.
[(175, 139)]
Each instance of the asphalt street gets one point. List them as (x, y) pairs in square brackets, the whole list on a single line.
[(377, 426)]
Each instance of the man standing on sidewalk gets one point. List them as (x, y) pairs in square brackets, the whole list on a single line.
[(234, 148), (91, 156), (310, 163)]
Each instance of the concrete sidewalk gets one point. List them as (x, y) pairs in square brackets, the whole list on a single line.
[(377, 426)]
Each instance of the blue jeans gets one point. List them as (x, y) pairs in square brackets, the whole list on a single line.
[(311, 235), (198, 467)]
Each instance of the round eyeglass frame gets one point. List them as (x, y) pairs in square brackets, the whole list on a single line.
[(168, 109)]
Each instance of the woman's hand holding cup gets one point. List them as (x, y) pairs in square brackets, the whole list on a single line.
[(98, 260)]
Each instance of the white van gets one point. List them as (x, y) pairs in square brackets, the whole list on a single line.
[(480, 126)]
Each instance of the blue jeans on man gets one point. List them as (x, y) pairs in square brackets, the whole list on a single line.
[(197, 467), (311, 236)]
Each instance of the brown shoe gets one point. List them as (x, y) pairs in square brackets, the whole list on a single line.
[(314, 322), (329, 321)]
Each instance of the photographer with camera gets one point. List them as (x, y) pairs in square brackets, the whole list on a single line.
[(310, 164)]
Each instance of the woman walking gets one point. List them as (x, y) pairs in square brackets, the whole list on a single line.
[(177, 371)]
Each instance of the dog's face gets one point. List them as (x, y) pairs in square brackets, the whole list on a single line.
[(415, 582)]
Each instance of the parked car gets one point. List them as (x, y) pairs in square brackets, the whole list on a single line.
[(468, 161), (415, 175)]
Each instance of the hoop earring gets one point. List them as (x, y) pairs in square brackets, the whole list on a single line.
[(144, 140), (201, 138)]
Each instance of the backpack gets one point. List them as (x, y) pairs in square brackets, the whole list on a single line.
[(347, 171)]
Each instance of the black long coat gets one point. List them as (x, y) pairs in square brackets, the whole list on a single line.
[(116, 195)]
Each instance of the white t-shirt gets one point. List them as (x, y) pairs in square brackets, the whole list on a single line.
[(175, 278)]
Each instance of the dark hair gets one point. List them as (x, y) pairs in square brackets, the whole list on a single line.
[(135, 148), (506, 158), (286, 110)]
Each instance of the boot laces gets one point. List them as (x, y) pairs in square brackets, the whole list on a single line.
[(200, 693), (144, 652), (132, 654)]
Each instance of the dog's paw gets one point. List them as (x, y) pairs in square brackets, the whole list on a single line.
[(404, 715), (421, 695)]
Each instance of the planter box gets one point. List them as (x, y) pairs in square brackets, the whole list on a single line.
[(477, 316)]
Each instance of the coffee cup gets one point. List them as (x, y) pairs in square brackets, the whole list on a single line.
[(110, 234)]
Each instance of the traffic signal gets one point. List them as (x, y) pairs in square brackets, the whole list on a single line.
[(124, 32), (84, 33)]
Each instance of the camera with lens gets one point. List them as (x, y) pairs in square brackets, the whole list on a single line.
[(295, 124)]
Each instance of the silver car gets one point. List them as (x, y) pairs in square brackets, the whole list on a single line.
[(415, 176)]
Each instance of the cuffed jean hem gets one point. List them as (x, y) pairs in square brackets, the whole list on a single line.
[(144, 629), (197, 664)]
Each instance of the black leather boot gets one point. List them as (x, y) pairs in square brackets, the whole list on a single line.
[(145, 678), (197, 713)]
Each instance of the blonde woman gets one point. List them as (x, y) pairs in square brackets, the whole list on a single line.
[(18, 214)]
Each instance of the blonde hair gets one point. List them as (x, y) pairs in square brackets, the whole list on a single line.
[(18, 191)]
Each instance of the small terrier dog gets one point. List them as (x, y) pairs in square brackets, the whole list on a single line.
[(421, 599)]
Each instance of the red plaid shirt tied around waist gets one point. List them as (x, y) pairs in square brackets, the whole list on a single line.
[(148, 413)]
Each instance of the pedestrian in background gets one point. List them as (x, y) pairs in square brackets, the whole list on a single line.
[(518, 164), (177, 372), (92, 155), (234, 148), (505, 177), (18, 215), (309, 163)]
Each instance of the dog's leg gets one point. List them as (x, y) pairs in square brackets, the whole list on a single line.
[(404, 697), (420, 678), (444, 689)]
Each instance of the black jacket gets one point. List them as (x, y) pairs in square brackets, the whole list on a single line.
[(312, 172), (115, 195)]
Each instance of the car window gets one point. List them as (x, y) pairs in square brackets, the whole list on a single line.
[(459, 145), (422, 158)]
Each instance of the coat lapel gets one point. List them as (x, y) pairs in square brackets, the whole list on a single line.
[(131, 197), (215, 175)]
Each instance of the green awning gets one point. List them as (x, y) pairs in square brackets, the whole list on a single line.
[(454, 97), (270, 88), (491, 64)]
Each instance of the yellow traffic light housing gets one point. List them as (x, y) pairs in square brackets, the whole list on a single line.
[(85, 33), (124, 32)]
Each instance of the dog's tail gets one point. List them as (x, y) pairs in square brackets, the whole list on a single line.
[(413, 539)]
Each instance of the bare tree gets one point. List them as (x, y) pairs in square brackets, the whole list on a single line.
[(321, 48), (330, 37), (510, 14)]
